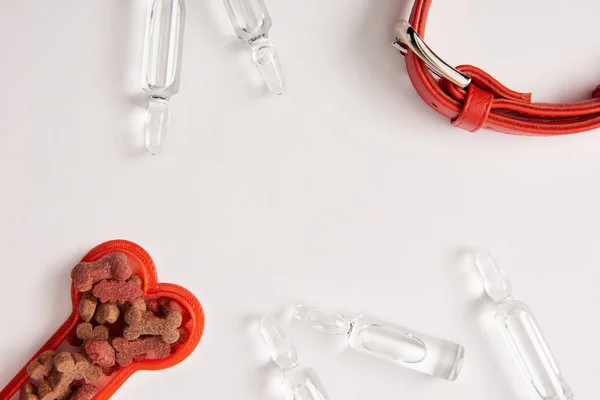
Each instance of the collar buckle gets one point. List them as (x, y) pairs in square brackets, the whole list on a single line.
[(408, 39)]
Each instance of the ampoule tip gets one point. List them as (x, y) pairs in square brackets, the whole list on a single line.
[(157, 123), (266, 58), (330, 323), (495, 281), (282, 351)]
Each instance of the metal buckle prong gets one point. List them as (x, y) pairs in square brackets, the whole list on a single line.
[(408, 39)]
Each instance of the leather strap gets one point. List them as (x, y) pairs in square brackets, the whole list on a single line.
[(486, 103)]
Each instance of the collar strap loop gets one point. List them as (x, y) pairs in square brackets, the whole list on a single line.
[(483, 102), (475, 110)]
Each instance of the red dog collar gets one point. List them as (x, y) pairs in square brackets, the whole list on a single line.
[(473, 99)]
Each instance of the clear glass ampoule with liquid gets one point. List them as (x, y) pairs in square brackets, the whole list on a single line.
[(402, 346), (163, 47), (522, 335), (298, 382), (251, 22)]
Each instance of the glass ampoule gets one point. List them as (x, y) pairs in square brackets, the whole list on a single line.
[(402, 346), (165, 24), (298, 382), (251, 22), (522, 335)]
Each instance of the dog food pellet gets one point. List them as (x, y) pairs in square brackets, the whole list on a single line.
[(28, 392), (114, 266), (86, 332), (161, 306), (118, 291), (111, 370), (183, 337), (68, 367), (87, 306), (85, 392), (107, 313), (140, 321), (172, 305), (41, 366), (127, 351), (100, 352), (154, 306)]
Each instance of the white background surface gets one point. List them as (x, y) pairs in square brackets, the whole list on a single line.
[(347, 192)]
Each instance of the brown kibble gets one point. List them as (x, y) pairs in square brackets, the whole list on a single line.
[(118, 291), (80, 367), (85, 331), (28, 392), (112, 266), (111, 370), (154, 306), (162, 305), (76, 384), (87, 306), (68, 367), (169, 304), (139, 321), (41, 366), (85, 392), (184, 334), (100, 352), (107, 313), (127, 351), (172, 305)]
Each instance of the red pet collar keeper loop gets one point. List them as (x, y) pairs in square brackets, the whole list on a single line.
[(475, 110), (486, 103)]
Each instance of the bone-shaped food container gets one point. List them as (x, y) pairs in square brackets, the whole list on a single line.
[(141, 264)]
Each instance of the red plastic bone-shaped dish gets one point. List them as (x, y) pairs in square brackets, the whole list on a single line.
[(154, 293)]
